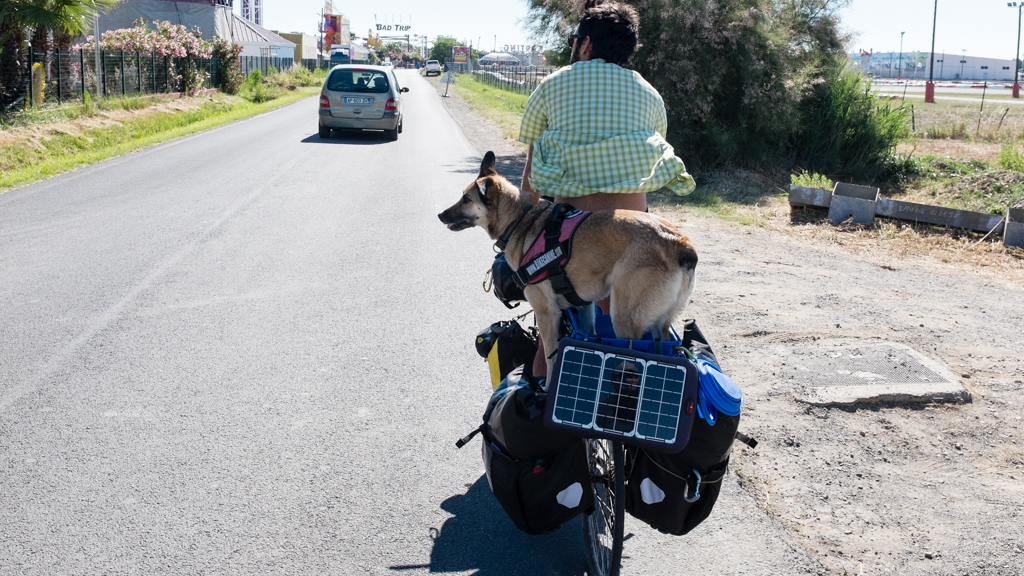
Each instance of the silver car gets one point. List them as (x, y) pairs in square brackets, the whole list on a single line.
[(361, 97)]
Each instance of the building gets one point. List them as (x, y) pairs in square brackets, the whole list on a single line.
[(214, 18), (305, 45), (916, 66)]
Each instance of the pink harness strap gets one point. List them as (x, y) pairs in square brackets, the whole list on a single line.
[(569, 224)]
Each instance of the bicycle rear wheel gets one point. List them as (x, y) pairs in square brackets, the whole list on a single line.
[(603, 527)]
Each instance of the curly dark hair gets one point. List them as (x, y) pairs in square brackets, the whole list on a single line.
[(613, 29)]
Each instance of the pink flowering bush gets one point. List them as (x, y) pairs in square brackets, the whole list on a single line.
[(167, 40)]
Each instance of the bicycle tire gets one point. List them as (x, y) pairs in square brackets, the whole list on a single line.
[(604, 525)]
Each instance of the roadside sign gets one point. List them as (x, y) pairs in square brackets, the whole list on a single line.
[(448, 79)]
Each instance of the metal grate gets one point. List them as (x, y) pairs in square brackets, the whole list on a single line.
[(850, 365)]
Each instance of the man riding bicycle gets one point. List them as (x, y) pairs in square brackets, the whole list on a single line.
[(596, 129)]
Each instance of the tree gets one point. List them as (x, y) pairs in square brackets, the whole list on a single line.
[(40, 21), (740, 78), (442, 48)]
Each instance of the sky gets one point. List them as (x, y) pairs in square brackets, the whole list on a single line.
[(490, 23), (983, 27)]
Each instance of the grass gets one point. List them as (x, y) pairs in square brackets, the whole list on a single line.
[(974, 185), (503, 107), (69, 139), (958, 120)]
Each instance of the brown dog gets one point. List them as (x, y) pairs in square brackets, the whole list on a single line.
[(641, 260)]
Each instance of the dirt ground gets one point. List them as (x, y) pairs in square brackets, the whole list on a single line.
[(934, 489)]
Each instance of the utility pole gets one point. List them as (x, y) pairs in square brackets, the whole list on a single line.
[(899, 72), (96, 52), (929, 88), (1016, 55), (963, 60)]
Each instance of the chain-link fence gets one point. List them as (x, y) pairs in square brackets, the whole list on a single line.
[(59, 75), (522, 79)]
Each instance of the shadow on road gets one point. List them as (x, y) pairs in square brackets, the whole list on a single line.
[(355, 137), (480, 537), (511, 167)]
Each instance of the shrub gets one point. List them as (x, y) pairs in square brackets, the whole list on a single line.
[(811, 180), (230, 75), (254, 79), (1011, 158), (844, 130)]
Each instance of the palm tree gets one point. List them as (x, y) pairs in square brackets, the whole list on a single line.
[(38, 20)]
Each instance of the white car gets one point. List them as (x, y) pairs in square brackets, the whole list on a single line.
[(433, 67)]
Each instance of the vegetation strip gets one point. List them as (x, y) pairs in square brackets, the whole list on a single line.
[(24, 162)]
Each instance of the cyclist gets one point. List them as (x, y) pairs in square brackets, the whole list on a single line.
[(596, 129)]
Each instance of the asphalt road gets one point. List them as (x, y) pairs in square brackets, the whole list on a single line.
[(249, 351)]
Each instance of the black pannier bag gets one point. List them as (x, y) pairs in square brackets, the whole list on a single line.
[(676, 492), (506, 345), (539, 476)]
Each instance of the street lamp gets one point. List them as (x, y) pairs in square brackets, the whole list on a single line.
[(899, 72), (963, 60), (929, 87), (1016, 55)]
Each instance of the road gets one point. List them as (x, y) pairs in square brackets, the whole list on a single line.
[(249, 351)]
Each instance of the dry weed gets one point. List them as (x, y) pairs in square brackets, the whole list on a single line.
[(890, 242)]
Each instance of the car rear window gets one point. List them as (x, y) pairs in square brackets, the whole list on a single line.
[(370, 81)]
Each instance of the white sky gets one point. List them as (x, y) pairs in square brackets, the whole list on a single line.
[(477, 21), (984, 27)]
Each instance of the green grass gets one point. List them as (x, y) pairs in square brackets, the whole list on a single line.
[(504, 107), (22, 163), (973, 185), (811, 180)]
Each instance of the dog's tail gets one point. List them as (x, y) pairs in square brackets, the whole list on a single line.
[(687, 255)]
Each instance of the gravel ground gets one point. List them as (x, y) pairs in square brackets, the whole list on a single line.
[(870, 489)]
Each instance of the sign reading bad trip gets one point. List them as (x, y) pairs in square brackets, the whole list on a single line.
[(393, 27)]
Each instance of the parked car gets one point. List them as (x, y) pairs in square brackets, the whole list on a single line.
[(433, 68), (361, 97)]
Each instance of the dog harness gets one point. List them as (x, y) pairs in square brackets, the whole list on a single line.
[(550, 252)]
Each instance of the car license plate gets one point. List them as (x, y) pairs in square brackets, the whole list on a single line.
[(357, 100)]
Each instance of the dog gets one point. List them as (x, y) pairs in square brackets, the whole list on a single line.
[(642, 261)]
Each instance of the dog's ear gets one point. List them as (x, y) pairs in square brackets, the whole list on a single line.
[(487, 166), (481, 185)]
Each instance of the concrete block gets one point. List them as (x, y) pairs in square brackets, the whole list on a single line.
[(1013, 235), (977, 221), (852, 201), (804, 196)]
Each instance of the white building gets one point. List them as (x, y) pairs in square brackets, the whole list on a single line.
[(215, 19), (948, 66)]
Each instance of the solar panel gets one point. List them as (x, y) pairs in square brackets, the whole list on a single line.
[(600, 391)]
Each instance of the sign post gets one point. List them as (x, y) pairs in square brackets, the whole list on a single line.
[(447, 80)]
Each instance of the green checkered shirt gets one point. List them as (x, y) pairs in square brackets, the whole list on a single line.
[(599, 128)]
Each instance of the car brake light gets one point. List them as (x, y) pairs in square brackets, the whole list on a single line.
[(390, 104), (324, 102)]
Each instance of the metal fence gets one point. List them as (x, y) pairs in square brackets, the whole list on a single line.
[(522, 79), (264, 64), (67, 75)]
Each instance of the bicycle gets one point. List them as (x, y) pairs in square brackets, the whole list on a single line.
[(603, 526)]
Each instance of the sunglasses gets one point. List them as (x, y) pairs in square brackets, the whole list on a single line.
[(574, 36)]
